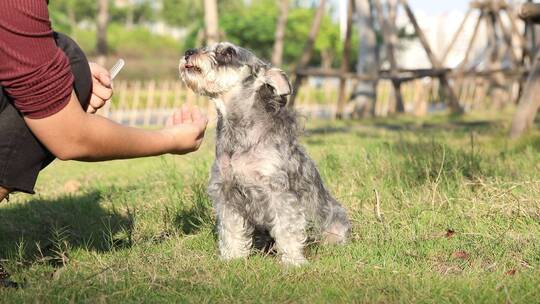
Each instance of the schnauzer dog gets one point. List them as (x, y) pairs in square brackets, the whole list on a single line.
[(262, 180)]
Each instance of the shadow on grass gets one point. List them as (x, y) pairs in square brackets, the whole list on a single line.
[(466, 126), (44, 229), (367, 127), (197, 212)]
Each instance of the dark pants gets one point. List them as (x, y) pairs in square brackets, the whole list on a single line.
[(22, 156)]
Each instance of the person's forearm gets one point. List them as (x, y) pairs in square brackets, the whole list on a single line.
[(72, 134), (106, 140)]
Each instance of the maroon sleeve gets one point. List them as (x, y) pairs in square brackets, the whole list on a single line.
[(34, 72)]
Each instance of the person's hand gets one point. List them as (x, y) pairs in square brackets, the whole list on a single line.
[(186, 129), (101, 87)]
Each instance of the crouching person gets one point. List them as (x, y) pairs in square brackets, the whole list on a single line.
[(48, 94)]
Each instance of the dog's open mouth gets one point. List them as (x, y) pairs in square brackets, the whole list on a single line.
[(192, 68)]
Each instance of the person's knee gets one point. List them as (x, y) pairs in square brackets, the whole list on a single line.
[(3, 193)]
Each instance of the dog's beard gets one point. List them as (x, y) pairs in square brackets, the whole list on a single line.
[(209, 79)]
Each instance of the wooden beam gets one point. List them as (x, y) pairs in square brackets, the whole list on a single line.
[(308, 49), (529, 103), (489, 5), (450, 94), (507, 35), (409, 74), (516, 33), (468, 52), (530, 11)]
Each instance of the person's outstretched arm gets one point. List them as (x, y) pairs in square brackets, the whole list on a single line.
[(72, 134)]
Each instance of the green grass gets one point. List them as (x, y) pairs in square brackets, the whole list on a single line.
[(460, 223)]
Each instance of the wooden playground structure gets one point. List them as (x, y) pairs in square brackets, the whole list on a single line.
[(505, 63)]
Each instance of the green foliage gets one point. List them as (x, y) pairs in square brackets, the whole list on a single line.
[(182, 12), (135, 13), (140, 41), (249, 24), (65, 14), (253, 26)]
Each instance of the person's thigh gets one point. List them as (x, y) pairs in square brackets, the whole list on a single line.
[(22, 156)]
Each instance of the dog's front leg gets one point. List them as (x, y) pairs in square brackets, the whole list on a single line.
[(289, 229), (235, 233)]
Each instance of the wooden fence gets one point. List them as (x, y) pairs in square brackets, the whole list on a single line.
[(150, 103)]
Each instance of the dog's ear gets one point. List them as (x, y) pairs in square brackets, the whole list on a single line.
[(278, 80), (274, 90)]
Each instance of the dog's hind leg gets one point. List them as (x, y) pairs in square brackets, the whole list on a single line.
[(288, 229), (235, 234), (339, 227)]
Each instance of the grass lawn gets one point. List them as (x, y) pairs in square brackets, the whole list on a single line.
[(459, 222)]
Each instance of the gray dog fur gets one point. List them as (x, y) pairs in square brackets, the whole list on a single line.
[(262, 179)]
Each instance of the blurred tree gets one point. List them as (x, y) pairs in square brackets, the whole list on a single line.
[(364, 95), (102, 23), (65, 14), (133, 12), (211, 21), (277, 53)]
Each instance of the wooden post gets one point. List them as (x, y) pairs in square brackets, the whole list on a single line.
[(389, 39), (364, 96), (279, 40), (211, 21), (102, 23), (342, 99), (121, 109), (454, 102), (135, 105), (177, 100), (149, 102), (529, 102), (516, 33), (164, 100), (308, 50)]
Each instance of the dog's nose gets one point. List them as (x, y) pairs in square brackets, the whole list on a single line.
[(189, 53)]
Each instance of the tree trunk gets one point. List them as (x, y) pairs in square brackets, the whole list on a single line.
[(71, 15), (529, 103), (277, 53), (102, 24), (342, 98), (308, 49), (130, 17), (364, 96), (211, 21), (390, 39)]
